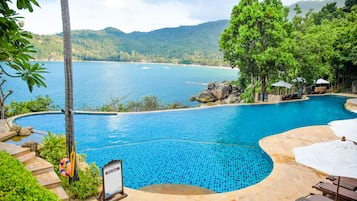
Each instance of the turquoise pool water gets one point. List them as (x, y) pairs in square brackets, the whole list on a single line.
[(215, 148)]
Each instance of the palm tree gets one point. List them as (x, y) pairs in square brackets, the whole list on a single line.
[(67, 51)]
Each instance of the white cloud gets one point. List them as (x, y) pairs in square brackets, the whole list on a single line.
[(127, 15)]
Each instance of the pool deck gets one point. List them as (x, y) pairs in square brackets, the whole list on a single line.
[(287, 181)]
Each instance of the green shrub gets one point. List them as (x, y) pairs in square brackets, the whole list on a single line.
[(39, 105), (17, 183), (53, 149), (146, 103), (151, 103), (114, 105), (175, 106), (247, 96), (88, 184)]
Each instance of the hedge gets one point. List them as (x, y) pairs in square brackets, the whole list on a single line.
[(17, 183)]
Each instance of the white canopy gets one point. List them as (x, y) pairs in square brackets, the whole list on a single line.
[(299, 79), (282, 83), (322, 81), (337, 157), (347, 128)]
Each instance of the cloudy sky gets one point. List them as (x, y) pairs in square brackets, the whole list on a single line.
[(127, 15)]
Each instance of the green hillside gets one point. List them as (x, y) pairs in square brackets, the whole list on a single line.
[(185, 44)]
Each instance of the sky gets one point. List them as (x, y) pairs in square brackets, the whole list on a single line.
[(127, 15)]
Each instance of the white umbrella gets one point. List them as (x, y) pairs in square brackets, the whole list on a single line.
[(282, 84), (299, 79), (347, 128), (322, 81), (337, 158)]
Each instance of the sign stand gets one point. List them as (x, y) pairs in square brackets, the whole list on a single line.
[(113, 188)]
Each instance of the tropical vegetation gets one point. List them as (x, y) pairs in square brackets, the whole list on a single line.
[(17, 183), (42, 104), (53, 149), (15, 50), (266, 47)]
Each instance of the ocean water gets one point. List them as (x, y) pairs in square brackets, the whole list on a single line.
[(96, 83)]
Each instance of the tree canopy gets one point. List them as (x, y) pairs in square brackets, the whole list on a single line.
[(15, 48), (257, 38), (265, 46)]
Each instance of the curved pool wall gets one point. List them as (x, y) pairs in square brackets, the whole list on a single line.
[(216, 148)]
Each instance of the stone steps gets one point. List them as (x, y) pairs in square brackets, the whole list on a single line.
[(7, 135), (42, 170), (59, 191), (26, 157), (38, 166), (13, 149), (49, 179)]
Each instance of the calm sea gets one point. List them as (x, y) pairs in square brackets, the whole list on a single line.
[(96, 83)]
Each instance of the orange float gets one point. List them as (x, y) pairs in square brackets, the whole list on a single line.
[(65, 172)]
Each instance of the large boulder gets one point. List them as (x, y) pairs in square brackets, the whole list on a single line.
[(219, 90), (354, 87), (30, 144), (231, 99), (26, 131), (15, 128), (219, 93), (206, 96)]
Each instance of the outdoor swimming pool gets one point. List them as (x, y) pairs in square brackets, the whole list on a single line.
[(215, 148)]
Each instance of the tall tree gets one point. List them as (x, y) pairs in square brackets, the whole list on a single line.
[(311, 48), (255, 38), (67, 51), (349, 4), (15, 50)]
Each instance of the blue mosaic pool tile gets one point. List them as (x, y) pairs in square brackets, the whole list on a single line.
[(213, 166)]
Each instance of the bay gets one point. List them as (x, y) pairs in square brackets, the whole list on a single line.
[(96, 83)]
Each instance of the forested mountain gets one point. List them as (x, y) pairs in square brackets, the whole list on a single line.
[(185, 44)]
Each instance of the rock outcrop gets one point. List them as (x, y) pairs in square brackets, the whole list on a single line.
[(219, 93), (26, 131)]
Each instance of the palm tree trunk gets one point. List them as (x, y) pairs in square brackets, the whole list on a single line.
[(67, 51)]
